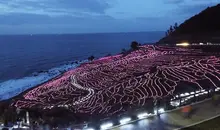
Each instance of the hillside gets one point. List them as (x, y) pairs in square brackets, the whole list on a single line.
[(203, 27), (114, 84)]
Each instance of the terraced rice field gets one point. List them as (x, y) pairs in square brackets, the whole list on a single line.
[(109, 85)]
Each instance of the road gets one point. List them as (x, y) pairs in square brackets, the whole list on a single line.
[(174, 119)]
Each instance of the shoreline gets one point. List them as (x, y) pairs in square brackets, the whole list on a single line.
[(51, 79), (22, 93), (79, 63)]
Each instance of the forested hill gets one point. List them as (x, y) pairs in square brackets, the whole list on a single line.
[(204, 26)]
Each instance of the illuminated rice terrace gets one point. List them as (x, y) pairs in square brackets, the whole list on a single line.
[(105, 86)]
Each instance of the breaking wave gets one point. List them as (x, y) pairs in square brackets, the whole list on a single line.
[(13, 87)]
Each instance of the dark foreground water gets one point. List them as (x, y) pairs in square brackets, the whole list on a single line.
[(27, 60)]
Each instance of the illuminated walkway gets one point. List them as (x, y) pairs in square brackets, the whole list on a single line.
[(174, 120), (90, 91)]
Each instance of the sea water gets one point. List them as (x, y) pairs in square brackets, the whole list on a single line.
[(28, 60)]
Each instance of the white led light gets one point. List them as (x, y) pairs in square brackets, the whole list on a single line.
[(192, 93), (15, 126), (188, 98), (155, 112), (106, 126), (186, 94), (25, 127), (217, 89), (175, 103), (142, 115), (183, 44), (161, 110), (125, 120)]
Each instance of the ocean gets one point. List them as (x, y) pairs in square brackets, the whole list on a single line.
[(28, 60)]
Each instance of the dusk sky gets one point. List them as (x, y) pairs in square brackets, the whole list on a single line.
[(92, 16)]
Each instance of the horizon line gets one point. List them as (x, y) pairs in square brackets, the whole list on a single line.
[(79, 33)]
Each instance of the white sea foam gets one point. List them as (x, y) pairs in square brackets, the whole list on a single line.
[(11, 88)]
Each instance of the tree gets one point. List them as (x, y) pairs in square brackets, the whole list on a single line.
[(108, 55), (175, 26), (171, 29), (166, 33), (91, 58), (134, 45), (123, 51)]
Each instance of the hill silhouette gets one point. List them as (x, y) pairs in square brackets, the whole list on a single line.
[(203, 27)]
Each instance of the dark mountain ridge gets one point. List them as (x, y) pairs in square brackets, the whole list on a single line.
[(203, 27)]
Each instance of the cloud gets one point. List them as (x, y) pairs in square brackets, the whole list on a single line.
[(54, 16), (192, 9), (24, 23), (98, 6), (190, 2), (174, 1), (54, 7), (188, 8), (26, 18)]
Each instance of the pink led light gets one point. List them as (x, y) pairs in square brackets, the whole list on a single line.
[(104, 86)]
